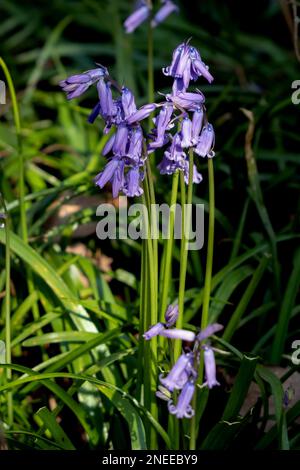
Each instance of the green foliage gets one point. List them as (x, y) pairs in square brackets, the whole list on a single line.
[(76, 372)]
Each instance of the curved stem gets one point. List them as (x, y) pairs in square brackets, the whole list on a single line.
[(186, 207), (150, 68), (207, 290), (149, 301), (167, 275), (17, 121), (7, 314)]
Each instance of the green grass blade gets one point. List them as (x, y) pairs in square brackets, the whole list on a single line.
[(55, 429), (245, 299), (285, 311), (133, 419)]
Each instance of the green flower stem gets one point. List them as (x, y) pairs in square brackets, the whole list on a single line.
[(186, 219), (153, 220), (207, 290), (142, 323), (150, 70), (167, 271), (10, 416), (17, 121), (150, 318), (210, 246)]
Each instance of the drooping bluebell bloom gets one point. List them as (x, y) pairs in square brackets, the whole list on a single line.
[(162, 123), (179, 373), (206, 142), (120, 143), (118, 179), (179, 60), (165, 11), (139, 15), (154, 331), (175, 151), (187, 65), (76, 85), (183, 408), (186, 132), (141, 113), (128, 102), (184, 372), (171, 315), (209, 331), (178, 333), (197, 177), (135, 147), (133, 179), (188, 108), (109, 145), (107, 108), (198, 67), (197, 124), (168, 166), (210, 367), (186, 100), (113, 173)]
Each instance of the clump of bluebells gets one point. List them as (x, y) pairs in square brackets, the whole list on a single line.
[(128, 146), (125, 169), (183, 375), (180, 127), (187, 108)]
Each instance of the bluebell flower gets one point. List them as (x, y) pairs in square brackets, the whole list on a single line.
[(186, 100), (107, 108), (177, 333), (109, 145), (179, 373), (76, 85), (171, 315), (128, 102), (141, 113), (209, 331), (187, 65), (175, 151), (165, 11), (206, 141), (154, 331), (162, 123), (210, 368), (139, 15), (197, 124), (168, 166), (135, 147), (133, 179), (183, 408), (197, 177), (186, 132), (113, 173), (121, 139)]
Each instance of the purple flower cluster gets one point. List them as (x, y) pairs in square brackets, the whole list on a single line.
[(184, 373), (76, 85), (125, 146), (142, 13), (193, 131)]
